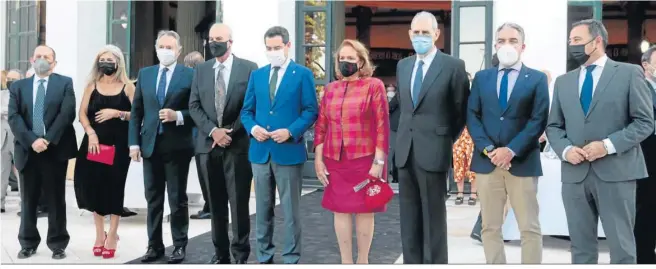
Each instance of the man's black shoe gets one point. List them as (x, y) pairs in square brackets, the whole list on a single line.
[(177, 256), (267, 262), (26, 253), (127, 213), (58, 254), (241, 262), (216, 260), (153, 254), (201, 215)]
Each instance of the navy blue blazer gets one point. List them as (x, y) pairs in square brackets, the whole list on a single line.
[(58, 117), (144, 117), (294, 108), (518, 127)]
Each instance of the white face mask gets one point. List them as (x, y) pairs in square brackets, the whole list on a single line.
[(508, 55), (276, 57), (653, 71), (391, 94), (166, 56)]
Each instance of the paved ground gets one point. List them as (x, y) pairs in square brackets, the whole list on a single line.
[(462, 250)]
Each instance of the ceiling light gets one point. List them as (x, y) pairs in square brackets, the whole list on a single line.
[(644, 46)]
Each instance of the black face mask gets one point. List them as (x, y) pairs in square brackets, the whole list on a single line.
[(107, 68), (348, 68), (218, 49), (577, 52)]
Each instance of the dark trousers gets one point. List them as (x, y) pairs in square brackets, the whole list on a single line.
[(478, 227), (645, 221), (43, 175), (228, 178), (167, 171), (423, 214), (203, 187)]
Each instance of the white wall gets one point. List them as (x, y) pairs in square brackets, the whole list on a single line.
[(76, 31), (249, 20), (545, 26), (3, 34)]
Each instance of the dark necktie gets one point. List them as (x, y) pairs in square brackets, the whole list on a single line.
[(273, 83), (416, 85), (586, 89), (161, 93), (219, 100), (38, 127), (503, 89)]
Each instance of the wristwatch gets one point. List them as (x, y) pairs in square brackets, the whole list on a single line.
[(488, 149), (379, 162)]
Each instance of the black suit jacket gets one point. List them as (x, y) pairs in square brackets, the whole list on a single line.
[(649, 145), (144, 117), (59, 114), (394, 113), (435, 123), (203, 110)]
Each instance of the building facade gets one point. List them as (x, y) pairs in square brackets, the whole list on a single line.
[(78, 29)]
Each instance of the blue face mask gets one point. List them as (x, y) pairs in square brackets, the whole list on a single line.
[(422, 44)]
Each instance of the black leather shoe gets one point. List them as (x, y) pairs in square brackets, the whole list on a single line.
[(201, 215), (127, 213), (58, 254), (153, 254), (216, 260), (267, 262), (178, 255), (26, 253), (241, 262)]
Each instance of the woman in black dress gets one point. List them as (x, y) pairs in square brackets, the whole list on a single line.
[(104, 114)]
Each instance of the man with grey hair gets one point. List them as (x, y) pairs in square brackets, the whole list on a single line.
[(601, 112), (433, 89), (161, 103), (645, 219), (505, 131)]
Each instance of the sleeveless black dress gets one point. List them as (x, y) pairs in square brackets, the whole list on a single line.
[(99, 187)]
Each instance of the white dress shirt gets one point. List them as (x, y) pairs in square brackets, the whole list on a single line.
[(512, 77), (227, 70), (428, 60), (596, 75), (281, 73), (169, 75)]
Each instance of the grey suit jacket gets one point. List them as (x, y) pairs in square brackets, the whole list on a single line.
[(431, 128), (203, 110), (621, 110)]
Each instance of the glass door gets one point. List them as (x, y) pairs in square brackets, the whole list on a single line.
[(119, 29), (472, 34)]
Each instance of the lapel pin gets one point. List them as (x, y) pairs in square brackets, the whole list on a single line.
[(294, 72)]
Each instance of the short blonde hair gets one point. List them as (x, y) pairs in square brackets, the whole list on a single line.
[(367, 69)]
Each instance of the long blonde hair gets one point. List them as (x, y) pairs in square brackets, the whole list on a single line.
[(121, 75)]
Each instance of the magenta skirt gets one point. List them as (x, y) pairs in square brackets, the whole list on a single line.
[(339, 196)]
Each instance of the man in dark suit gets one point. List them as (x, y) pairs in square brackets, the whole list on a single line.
[(507, 113), (160, 131), (433, 89), (280, 105), (193, 59), (41, 115), (394, 114), (645, 219), (217, 96)]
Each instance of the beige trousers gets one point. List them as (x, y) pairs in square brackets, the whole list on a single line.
[(494, 190)]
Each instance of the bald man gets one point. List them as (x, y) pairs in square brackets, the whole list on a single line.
[(41, 115), (217, 97)]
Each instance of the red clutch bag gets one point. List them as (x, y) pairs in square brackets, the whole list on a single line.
[(377, 193), (106, 155)]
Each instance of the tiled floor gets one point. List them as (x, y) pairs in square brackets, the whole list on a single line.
[(132, 231)]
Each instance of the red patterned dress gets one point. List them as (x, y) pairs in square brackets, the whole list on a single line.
[(353, 122)]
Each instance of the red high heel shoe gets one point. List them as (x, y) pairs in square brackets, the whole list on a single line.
[(97, 251), (109, 253)]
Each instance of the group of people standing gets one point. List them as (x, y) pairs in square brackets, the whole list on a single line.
[(245, 123)]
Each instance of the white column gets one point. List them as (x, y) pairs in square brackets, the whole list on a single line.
[(3, 34), (249, 20), (76, 32), (545, 26)]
